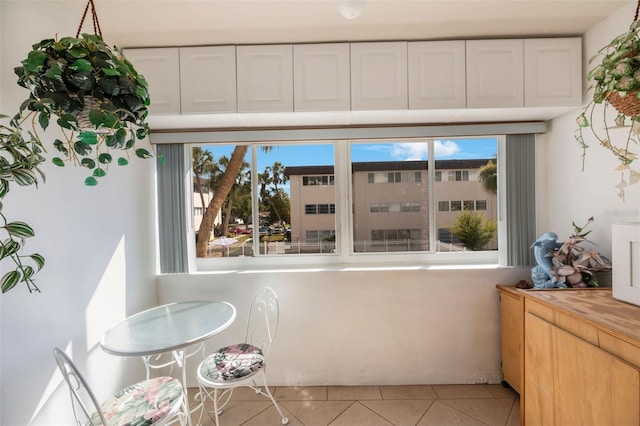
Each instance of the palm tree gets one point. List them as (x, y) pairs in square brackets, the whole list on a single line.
[(223, 187), (488, 177), (276, 172), (241, 182)]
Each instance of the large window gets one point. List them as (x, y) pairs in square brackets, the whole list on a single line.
[(291, 199)]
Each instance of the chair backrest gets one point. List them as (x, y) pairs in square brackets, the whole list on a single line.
[(263, 320), (81, 395)]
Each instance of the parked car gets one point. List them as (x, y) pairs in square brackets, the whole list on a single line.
[(264, 230), (246, 231)]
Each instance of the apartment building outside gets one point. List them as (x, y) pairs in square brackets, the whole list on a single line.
[(390, 203)]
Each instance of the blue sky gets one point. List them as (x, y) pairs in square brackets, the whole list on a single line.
[(322, 154)]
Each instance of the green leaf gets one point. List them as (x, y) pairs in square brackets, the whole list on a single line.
[(82, 148), (58, 161), (10, 247), (19, 229), (88, 137), (105, 158), (43, 119), (91, 181), (54, 73), (9, 280), (27, 272), (24, 177), (4, 189), (81, 65), (35, 60), (88, 163), (162, 160), (111, 72), (122, 161), (99, 172), (143, 153), (77, 52), (38, 259)]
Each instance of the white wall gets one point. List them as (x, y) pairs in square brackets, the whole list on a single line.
[(368, 327), (424, 326), (569, 194), (100, 257)]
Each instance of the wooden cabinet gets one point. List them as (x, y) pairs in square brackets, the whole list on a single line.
[(208, 79), (437, 75), (265, 78), (161, 68), (379, 75), (495, 73), (321, 77), (580, 358), (552, 72), (511, 329)]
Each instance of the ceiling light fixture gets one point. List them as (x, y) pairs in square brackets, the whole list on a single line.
[(350, 9)]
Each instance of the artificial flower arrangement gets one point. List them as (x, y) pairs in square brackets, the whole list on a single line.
[(567, 264)]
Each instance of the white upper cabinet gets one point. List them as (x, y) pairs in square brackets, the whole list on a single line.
[(495, 73), (265, 78), (208, 79), (379, 76), (161, 68), (552, 72), (321, 75), (437, 74)]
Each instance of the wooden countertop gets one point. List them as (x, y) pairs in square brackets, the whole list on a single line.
[(595, 305)]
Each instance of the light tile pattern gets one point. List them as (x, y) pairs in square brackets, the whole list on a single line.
[(414, 405)]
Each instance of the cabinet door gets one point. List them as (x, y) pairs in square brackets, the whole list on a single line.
[(437, 74), (594, 387), (552, 72), (265, 78), (511, 329), (208, 79), (379, 76), (495, 77), (321, 77), (161, 68), (539, 388)]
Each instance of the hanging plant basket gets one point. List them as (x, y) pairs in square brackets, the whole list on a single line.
[(616, 82), (93, 93)]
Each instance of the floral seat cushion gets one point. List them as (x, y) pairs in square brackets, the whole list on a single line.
[(232, 362), (145, 403)]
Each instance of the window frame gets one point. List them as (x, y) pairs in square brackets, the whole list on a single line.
[(344, 244)]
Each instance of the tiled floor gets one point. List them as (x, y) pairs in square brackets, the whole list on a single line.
[(416, 405)]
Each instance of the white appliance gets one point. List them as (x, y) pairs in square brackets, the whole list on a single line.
[(625, 241)]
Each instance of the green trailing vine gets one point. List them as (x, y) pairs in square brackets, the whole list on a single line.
[(19, 161)]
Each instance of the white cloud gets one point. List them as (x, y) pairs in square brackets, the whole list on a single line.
[(410, 151), (445, 148), (420, 151)]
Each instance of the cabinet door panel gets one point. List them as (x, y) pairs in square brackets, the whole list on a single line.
[(597, 388), (495, 73), (379, 76), (437, 74), (511, 324), (539, 386), (265, 78), (161, 68), (208, 79), (553, 72), (321, 75)]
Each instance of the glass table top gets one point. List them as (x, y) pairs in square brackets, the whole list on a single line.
[(168, 327)]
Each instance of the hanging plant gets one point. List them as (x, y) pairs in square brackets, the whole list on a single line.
[(19, 161), (616, 82), (94, 94)]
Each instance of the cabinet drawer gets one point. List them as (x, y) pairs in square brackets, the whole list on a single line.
[(620, 348), (564, 321)]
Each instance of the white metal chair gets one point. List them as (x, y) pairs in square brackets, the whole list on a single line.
[(239, 364), (150, 402)]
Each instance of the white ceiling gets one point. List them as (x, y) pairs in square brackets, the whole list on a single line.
[(130, 23)]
